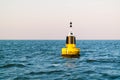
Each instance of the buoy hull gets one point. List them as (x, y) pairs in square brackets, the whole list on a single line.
[(72, 52)]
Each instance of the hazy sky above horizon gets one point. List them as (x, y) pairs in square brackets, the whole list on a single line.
[(49, 19)]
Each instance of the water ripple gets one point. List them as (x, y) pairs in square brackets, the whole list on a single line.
[(46, 72), (21, 78), (12, 65)]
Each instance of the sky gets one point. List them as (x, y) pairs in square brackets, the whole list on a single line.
[(49, 19)]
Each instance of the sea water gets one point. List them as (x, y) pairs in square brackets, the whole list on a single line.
[(42, 60)]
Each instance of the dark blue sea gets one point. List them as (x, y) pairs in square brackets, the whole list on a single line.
[(42, 60)]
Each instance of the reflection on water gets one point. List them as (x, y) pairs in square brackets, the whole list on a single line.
[(71, 63)]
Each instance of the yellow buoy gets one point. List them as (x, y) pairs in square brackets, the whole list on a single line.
[(70, 50)]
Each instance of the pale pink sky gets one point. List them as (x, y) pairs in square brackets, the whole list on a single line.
[(49, 19)]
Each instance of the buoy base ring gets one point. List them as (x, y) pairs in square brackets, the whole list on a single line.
[(71, 56)]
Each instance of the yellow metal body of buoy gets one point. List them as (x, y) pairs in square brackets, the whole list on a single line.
[(70, 50)]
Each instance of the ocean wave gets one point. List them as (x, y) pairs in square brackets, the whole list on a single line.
[(89, 72), (45, 72), (12, 65), (21, 78), (103, 60)]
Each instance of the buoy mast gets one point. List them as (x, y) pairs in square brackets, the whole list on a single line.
[(71, 33)]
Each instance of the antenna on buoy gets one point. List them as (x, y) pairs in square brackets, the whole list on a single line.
[(71, 33), (70, 24)]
